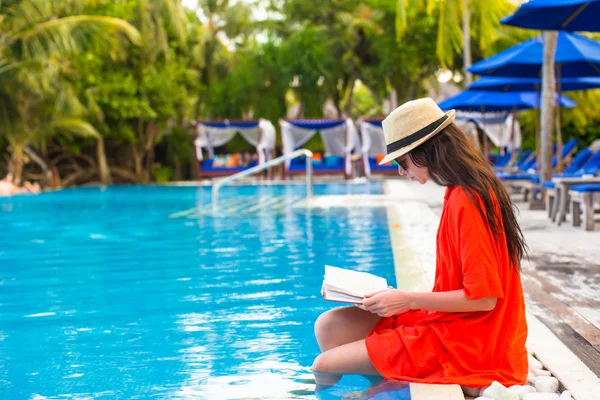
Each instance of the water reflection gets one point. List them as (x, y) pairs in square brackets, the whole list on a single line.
[(114, 293)]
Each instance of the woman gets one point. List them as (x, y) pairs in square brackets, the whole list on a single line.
[(470, 330)]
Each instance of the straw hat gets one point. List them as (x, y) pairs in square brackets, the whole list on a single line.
[(412, 124)]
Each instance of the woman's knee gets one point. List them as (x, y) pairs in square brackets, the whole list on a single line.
[(321, 363), (326, 328), (323, 323)]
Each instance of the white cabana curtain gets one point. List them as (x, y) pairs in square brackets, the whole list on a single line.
[(373, 143), (293, 137), (497, 127), (268, 140), (340, 140), (352, 145), (262, 136), (209, 138)]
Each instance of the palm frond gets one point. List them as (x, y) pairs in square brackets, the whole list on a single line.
[(15, 66), (449, 38), (176, 17), (65, 35), (73, 126), (400, 19), (488, 19)]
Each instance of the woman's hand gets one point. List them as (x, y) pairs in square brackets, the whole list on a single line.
[(387, 302)]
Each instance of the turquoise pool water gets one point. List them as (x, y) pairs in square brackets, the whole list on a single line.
[(139, 292)]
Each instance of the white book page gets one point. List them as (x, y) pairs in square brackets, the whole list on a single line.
[(351, 282), (344, 298)]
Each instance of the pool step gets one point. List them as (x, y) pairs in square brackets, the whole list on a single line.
[(420, 391), (240, 206)]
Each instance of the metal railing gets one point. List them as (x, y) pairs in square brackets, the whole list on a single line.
[(295, 154)]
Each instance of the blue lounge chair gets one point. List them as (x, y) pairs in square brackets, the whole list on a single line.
[(531, 173), (583, 199), (329, 165), (524, 166), (557, 188), (529, 181), (525, 157), (390, 169), (574, 169), (502, 160), (206, 169)]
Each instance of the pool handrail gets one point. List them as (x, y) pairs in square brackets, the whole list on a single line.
[(276, 161)]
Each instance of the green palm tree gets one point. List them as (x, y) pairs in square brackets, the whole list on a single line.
[(222, 18), (459, 20), (31, 36)]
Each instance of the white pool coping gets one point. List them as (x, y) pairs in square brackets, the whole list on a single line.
[(413, 226)]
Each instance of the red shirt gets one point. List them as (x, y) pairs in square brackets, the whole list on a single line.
[(470, 348)]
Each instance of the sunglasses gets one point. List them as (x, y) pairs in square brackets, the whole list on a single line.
[(401, 161)]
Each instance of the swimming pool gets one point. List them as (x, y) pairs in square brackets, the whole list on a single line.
[(137, 292)]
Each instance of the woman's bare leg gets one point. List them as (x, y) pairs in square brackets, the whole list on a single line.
[(349, 358), (343, 325), (337, 329)]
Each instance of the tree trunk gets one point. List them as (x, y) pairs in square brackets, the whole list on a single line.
[(135, 149), (151, 133), (178, 171), (548, 93), (103, 167), (16, 163), (35, 158), (467, 60), (337, 100), (349, 104), (137, 162), (361, 77)]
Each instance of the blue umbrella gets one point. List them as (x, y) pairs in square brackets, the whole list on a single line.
[(576, 56), (568, 15), (484, 101), (498, 84)]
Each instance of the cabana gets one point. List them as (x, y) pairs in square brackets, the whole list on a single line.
[(339, 137), (374, 148), (501, 128), (211, 134)]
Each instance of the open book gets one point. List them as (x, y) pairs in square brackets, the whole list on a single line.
[(348, 286)]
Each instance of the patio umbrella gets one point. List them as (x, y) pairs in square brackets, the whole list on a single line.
[(568, 15), (501, 84), (486, 101), (576, 56)]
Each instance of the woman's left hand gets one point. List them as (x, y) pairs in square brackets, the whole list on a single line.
[(387, 302)]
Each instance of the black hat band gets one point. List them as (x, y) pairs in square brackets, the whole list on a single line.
[(420, 134)]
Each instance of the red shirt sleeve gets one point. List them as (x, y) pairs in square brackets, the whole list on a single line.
[(475, 244)]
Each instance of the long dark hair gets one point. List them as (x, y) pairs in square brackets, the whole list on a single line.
[(453, 160)]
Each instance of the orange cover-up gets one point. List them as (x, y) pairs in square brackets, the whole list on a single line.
[(471, 349)]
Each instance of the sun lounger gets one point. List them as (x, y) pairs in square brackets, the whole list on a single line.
[(583, 199), (389, 169), (502, 160), (577, 169), (329, 165), (557, 190), (207, 170), (526, 180), (507, 164)]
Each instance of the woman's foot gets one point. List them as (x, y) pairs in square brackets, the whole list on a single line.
[(469, 391)]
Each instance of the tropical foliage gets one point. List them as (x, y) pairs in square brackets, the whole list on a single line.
[(108, 90)]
